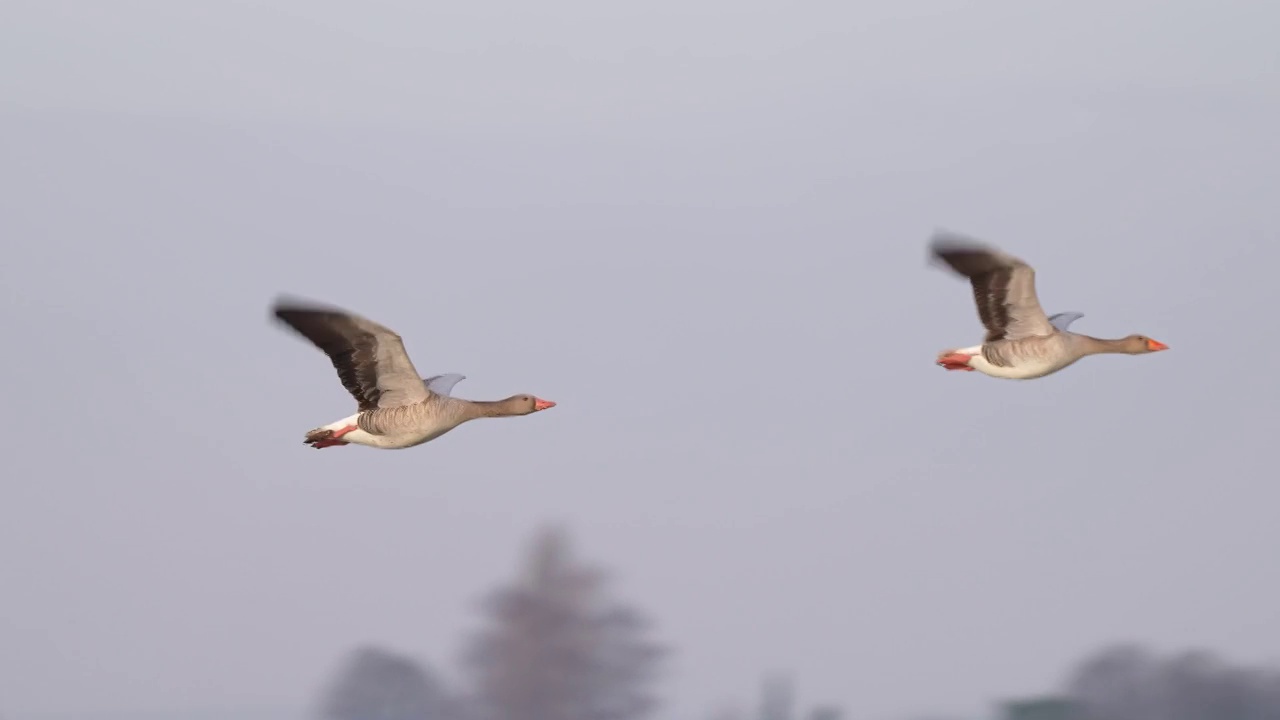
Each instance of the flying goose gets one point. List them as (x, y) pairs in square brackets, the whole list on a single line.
[(1022, 342), (395, 407)]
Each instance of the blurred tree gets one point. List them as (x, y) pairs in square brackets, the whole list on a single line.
[(1128, 683), (375, 684), (557, 648), (1049, 707), (1115, 682), (778, 702), (777, 699)]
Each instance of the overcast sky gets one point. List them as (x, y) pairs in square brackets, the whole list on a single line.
[(700, 227)]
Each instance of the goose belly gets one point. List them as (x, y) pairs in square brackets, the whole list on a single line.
[(1024, 368), (399, 439), (392, 441), (399, 427)]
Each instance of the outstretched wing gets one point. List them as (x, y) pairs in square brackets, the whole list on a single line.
[(443, 384), (1063, 320), (1004, 287), (370, 359)]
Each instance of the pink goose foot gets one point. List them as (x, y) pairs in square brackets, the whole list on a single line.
[(329, 438), (955, 361)]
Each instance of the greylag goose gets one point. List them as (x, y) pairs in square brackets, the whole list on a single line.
[(1022, 342), (395, 407)]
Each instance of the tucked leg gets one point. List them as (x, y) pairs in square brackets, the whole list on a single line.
[(323, 438), (955, 361)]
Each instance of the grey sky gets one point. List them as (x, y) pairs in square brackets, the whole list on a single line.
[(698, 226)]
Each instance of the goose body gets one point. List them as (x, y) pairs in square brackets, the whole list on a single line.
[(396, 408), (1032, 361), (1022, 342)]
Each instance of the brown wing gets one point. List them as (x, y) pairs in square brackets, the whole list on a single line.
[(1004, 287), (370, 359)]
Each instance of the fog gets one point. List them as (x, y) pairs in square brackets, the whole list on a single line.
[(700, 228)]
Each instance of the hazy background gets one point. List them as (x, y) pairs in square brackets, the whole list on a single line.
[(699, 226)]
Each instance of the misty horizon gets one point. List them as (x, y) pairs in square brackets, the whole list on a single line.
[(701, 228)]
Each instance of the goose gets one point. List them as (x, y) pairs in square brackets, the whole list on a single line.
[(1022, 343), (396, 408)]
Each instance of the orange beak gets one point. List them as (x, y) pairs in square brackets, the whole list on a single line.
[(540, 404), (1154, 345)]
